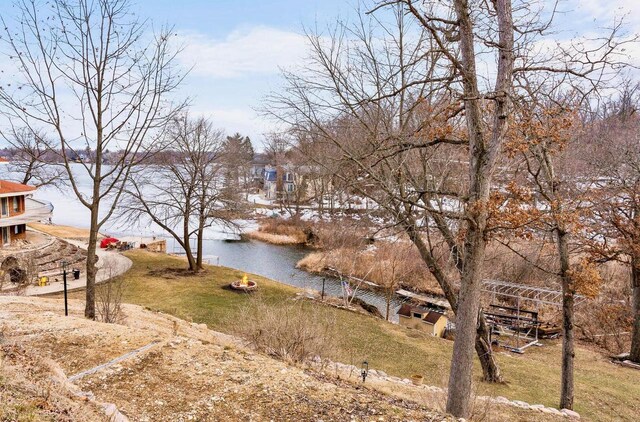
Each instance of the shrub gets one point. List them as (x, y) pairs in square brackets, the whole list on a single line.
[(290, 330), (109, 296)]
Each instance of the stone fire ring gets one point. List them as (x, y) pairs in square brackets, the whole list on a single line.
[(249, 287)]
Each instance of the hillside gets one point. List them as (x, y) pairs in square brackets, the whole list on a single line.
[(603, 390), (57, 368), (186, 372)]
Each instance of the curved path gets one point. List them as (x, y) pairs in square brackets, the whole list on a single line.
[(110, 264)]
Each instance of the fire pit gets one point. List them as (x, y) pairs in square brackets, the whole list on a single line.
[(244, 285)]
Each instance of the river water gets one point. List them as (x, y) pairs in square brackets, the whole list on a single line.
[(272, 261), (279, 263)]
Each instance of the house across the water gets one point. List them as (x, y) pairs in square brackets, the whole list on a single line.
[(278, 182), (17, 208), (423, 318)]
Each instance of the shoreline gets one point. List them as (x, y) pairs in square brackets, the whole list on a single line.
[(255, 235), (274, 239)]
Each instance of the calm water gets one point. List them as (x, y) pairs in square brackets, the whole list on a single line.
[(272, 261), (278, 262)]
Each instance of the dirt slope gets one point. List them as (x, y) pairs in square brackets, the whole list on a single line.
[(186, 373), (155, 367)]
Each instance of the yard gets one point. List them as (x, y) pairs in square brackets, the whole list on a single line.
[(604, 391)]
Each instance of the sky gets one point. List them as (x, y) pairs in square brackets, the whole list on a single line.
[(235, 48)]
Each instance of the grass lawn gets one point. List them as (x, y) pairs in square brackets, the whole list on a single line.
[(56, 230), (603, 391)]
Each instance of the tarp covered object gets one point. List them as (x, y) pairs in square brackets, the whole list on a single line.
[(107, 241)]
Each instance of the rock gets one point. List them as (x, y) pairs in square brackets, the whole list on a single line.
[(571, 413), (85, 395), (110, 409), (406, 381), (551, 411), (631, 364), (382, 373), (520, 403), (502, 400), (537, 406), (373, 372), (112, 412), (621, 356)]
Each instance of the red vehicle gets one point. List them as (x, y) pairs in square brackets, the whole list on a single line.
[(108, 241)]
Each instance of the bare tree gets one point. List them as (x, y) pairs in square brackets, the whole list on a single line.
[(387, 109), (185, 194), (616, 197), (32, 159), (91, 75), (546, 134), (392, 267), (109, 295), (408, 103)]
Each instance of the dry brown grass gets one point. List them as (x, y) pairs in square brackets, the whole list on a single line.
[(375, 265), (315, 262), (27, 392), (276, 239), (191, 371), (66, 232), (282, 232), (604, 391), (290, 330)]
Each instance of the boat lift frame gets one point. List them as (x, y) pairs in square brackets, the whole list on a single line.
[(530, 324)]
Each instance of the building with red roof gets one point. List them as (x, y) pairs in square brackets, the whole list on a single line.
[(17, 209)]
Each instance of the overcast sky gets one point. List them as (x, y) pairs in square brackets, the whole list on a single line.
[(237, 46)]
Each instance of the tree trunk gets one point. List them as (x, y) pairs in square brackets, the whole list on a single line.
[(568, 352), (186, 238), (482, 155), (189, 253), (92, 259), (27, 173), (634, 355), (200, 240), (389, 294), (461, 374), (199, 264), (490, 369)]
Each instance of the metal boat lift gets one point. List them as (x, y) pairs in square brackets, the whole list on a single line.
[(537, 295), (520, 323)]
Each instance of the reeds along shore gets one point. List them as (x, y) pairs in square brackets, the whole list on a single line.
[(282, 232), (276, 239)]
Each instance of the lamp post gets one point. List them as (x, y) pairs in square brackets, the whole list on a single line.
[(64, 281), (364, 371)]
